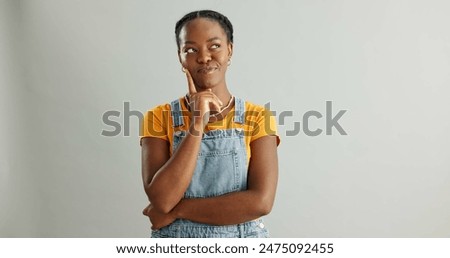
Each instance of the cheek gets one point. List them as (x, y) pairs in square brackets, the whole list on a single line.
[(223, 60), (189, 60)]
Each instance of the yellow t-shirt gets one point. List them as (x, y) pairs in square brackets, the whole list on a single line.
[(258, 122)]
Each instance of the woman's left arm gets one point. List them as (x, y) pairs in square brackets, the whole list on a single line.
[(235, 207)]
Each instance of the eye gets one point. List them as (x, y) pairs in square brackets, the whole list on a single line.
[(189, 50), (215, 46)]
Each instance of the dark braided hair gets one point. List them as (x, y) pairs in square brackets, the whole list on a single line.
[(215, 16)]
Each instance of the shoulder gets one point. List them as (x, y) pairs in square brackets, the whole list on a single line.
[(159, 108), (250, 106), (162, 108), (257, 111), (158, 122), (260, 121)]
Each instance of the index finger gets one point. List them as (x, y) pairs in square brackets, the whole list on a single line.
[(191, 85)]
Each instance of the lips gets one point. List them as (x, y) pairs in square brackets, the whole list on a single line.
[(207, 70)]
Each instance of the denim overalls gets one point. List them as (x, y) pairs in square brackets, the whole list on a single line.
[(221, 168)]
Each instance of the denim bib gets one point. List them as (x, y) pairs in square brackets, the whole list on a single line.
[(221, 168)]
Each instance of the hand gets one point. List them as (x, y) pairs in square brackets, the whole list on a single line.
[(158, 219), (201, 104)]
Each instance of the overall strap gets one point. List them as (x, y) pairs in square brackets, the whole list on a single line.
[(177, 113), (239, 109)]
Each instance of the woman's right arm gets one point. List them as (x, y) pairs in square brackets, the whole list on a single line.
[(166, 179)]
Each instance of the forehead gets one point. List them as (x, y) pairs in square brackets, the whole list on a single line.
[(201, 29)]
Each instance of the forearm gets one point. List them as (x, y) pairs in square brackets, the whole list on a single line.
[(232, 208), (171, 181)]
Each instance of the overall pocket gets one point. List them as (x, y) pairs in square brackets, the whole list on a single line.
[(216, 173)]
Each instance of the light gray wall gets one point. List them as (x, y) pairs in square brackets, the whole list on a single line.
[(18, 201), (65, 63)]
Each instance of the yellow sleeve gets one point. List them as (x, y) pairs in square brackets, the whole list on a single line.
[(265, 124), (155, 123)]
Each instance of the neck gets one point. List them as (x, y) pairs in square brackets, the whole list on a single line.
[(223, 95)]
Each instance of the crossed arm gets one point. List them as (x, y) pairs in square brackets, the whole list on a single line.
[(167, 178)]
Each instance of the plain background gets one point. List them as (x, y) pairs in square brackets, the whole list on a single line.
[(63, 64)]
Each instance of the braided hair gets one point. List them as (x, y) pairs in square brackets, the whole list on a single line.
[(208, 14)]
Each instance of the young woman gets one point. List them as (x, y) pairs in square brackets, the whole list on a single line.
[(209, 159)]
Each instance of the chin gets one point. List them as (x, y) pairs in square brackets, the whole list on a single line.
[(209, 84)]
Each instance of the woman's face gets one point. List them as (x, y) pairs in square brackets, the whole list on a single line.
[(205, 52)]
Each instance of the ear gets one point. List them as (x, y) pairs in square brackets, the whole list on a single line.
[(230, 49)]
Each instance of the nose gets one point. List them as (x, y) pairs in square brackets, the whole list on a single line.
[(203, 57)]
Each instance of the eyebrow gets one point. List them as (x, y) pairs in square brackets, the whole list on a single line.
[(209, 40)]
